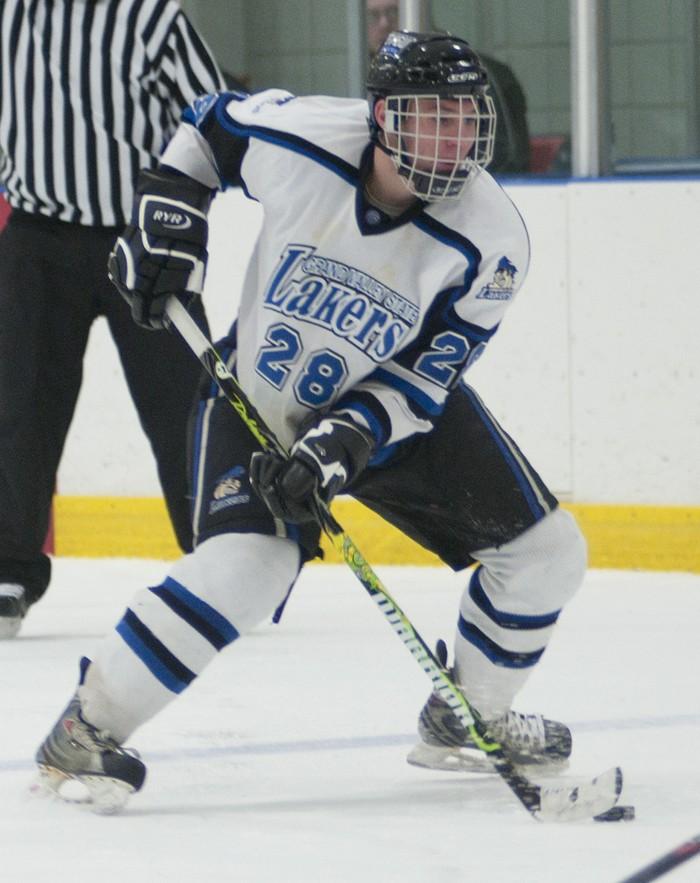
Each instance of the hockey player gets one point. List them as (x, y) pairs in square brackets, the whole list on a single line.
[(383, 268)]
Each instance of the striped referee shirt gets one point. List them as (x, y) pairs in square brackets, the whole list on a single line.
[(90, 92)]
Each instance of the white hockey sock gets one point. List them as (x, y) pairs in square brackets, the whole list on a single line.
[(170, 632), (509, 609)]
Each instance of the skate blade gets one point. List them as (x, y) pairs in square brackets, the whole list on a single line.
[(470, 760), (456, 760), (101, 794)]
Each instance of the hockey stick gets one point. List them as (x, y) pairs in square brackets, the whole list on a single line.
[(667, 862), (589, 798)]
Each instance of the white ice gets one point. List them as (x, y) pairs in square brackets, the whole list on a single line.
[(285, 761)]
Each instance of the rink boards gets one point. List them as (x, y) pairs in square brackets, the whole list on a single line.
[(627, 537)]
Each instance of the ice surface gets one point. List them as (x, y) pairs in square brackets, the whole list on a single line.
[(285, 761)]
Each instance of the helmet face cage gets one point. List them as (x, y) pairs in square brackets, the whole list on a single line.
[(438, 143)]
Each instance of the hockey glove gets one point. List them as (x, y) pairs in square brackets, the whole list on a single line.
[(164, 249), (323, 461)]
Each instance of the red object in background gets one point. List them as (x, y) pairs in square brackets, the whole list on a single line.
[(48, 547), (49, 541), (543, 152), (4, 211)]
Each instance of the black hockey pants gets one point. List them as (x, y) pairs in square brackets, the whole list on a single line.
[(53, 284)]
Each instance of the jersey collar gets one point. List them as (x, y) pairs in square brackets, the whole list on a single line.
[(370, 219)]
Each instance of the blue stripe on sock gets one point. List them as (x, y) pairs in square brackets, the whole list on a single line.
[(154, 654), (497, 654), (197, 613), (502, 617)]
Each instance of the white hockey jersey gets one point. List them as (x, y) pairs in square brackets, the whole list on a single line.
[(343, 307)]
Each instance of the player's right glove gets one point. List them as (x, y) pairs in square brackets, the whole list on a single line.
[(322, 462), (164, 249)]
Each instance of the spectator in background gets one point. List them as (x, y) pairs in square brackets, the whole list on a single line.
[(511, 153), (382, 19), (92, 91)]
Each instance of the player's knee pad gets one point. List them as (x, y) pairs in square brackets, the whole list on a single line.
[(220, 591), (538, 571), (511, 605), (244, 577)]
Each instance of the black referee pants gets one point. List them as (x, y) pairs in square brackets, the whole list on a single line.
[(53, 284)]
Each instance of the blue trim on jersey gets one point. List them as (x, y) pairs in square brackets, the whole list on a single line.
[(197, 454), (196, 112), (447, 236), (364, 398), (475, 333), (228, 154), (442, 316), (162, 664), (188, 116), (365, 210), (503, 618), (494, 652), (444, 307), (422, 399), (231, 336), (296, 144), (203, 618), (523, 481), (375, 426), (385, 454)]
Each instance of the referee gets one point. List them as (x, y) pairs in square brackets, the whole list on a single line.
[(90, 92)]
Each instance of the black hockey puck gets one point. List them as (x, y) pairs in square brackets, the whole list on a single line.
[(616, 814)]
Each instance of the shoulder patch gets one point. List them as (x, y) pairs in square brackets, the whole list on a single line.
[(501, 288), (202, 105)]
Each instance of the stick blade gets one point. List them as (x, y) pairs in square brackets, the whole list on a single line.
[(582, 801)]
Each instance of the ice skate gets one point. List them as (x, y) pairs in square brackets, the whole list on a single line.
[(529, 740), (76, 754), (13, 607)]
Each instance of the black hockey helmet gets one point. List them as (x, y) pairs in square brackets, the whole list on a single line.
[(413, 65)]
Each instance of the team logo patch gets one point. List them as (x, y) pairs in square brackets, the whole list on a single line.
[(227, 487), (227, 491), (396, 42), (503, 281), (202, 105)]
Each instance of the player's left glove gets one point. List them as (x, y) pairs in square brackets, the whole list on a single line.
[(164, 249), (322, 461)]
